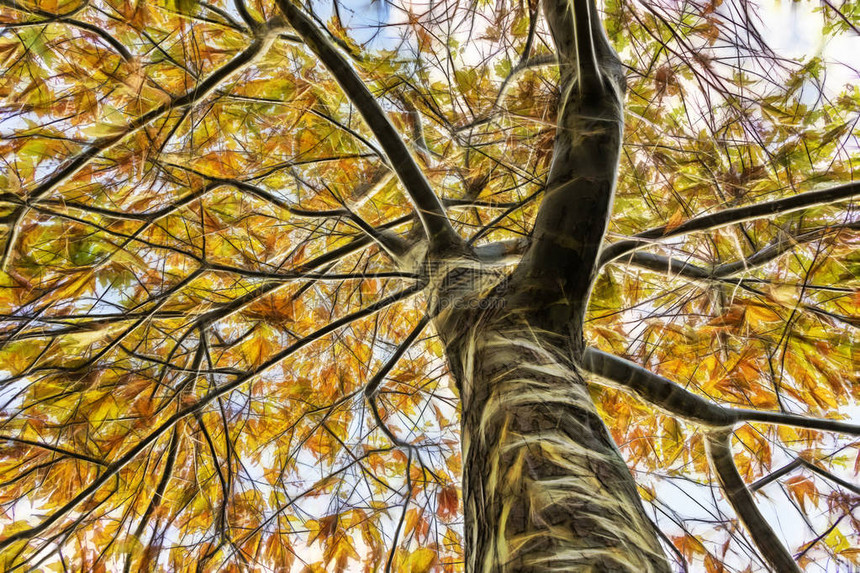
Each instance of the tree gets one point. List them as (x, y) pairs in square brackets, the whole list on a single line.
[(279, 291)]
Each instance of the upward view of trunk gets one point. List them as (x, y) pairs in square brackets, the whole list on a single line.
[(544, 486)]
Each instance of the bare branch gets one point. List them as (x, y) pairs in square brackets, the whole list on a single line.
[(674, 267), (158, 495), (406, 499), (430, 210), (655, 389), (780, 245), (226, 15), (811, 466), (66, 18), (731, 216), (842, 16), (581, 182), (522, 66), (718, 446), (242, 8), (371, 389), (682, 403)]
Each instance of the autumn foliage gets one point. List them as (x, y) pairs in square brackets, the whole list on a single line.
[(192, 302)]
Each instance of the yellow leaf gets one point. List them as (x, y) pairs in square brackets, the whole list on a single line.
[(784, 294), (74, 286), (713, 565), (756, 313), (420, 561), (836, 541), (851, 553), (646, 492), (105, 409)]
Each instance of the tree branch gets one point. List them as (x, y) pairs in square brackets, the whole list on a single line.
[(522, 66), (49, 447), (798, 462), (671, 266), (406, 499), (211, 316), (79, 161), (149, 439), (659, 391), (729, 217), (51, 18), (781, 245), (718, 446), (371, 389), (226, 16), (677, 401), (158, 495), (245, 14), (390, 242), (430, 210), (560, 262)]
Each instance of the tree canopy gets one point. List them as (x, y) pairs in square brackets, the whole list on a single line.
[(212, 358)]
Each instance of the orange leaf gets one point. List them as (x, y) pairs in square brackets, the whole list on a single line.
[(674, 221), (448, 503), (802, 487)]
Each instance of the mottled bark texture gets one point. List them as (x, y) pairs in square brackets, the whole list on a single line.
[(544, 486)]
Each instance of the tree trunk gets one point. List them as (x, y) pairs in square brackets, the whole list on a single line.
[(544, 486)]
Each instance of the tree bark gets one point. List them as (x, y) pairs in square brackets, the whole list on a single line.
[(544, 485)]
